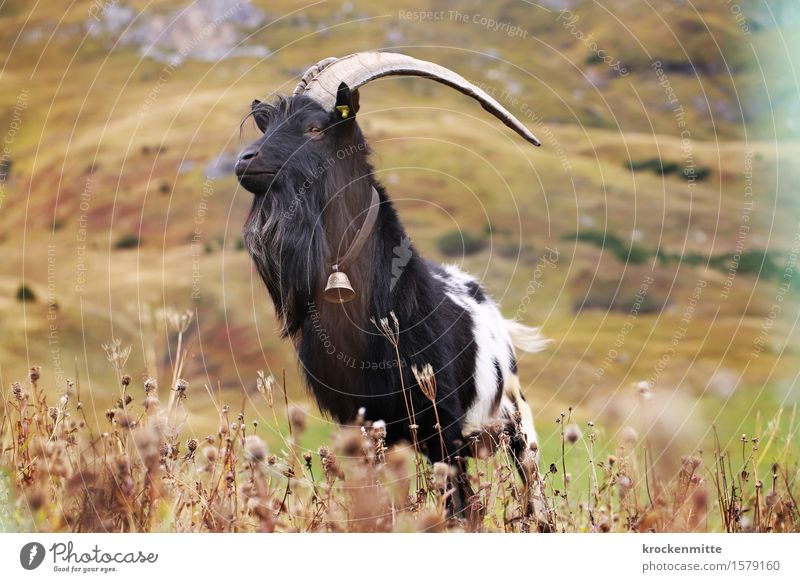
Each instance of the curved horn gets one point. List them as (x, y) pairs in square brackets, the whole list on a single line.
[(312, 72), (321, 82)]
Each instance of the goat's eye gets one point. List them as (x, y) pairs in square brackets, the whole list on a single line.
[(314, 130)]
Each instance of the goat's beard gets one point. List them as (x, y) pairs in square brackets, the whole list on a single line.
[(284, 236)]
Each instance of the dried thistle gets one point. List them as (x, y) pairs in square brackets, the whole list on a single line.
[(255, 449)]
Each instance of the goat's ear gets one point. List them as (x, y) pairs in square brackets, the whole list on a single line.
[(260, 120), (346, 103)]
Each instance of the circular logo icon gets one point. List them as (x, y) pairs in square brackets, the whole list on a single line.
[(31, 555)]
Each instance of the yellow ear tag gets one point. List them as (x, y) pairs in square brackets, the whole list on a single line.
[(344, 110)]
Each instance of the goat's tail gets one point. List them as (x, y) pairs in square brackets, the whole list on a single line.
[(525, 338)]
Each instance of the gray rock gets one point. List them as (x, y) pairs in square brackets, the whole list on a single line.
[(221, 166), (209, 30)]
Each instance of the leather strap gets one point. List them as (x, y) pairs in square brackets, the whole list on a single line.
[(362, 235)]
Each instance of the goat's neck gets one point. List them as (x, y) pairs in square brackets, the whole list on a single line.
[(343, 216)]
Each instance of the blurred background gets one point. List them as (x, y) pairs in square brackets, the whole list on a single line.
[(653, 236)]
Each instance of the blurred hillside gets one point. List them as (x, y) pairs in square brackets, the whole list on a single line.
[(667, 129)]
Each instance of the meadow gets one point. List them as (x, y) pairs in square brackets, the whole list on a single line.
[(139, 473)]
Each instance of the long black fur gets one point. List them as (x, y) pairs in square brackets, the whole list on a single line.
[(305, 216)]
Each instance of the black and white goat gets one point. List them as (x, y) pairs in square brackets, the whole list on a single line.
[(318, 210)]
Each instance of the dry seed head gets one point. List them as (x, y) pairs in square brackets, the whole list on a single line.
[(629, 436), (378, 430), (191, 445), (165, 450), (771, 499), (624, 483), (211, 453), (644, 389), (124, 420), (248, 490), (255, 450), (572, 433), (125, 380), (691, 462), (150, 385), (180, 387), (329, 462), (268, 385), (297, 419), (35, 374), (351, 443), (149, 448), (151, 403), (397, 460), (440, 474), (426, 380), (700, 497), (36, 500)]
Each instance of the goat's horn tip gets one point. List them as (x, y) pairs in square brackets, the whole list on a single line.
[(532, 139)]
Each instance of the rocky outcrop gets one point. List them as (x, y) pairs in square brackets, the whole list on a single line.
[(209, 30)]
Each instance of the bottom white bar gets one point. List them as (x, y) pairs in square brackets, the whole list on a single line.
[(466, 557)]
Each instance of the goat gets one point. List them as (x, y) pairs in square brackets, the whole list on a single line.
[(320, 215)]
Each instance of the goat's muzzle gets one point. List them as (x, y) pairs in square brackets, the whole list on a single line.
[(252, 174)]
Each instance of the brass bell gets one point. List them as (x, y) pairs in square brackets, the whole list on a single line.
[(338, 289)]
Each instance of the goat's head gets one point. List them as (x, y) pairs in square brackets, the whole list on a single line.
[(306, 134), (301, 142)]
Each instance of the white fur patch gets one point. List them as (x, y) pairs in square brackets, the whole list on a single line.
[(495, 339)]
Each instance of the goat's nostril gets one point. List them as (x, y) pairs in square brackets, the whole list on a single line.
[(248, 154)]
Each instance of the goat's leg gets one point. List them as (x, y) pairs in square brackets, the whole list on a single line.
[(460, 495), (471, 509), (534, 502)]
